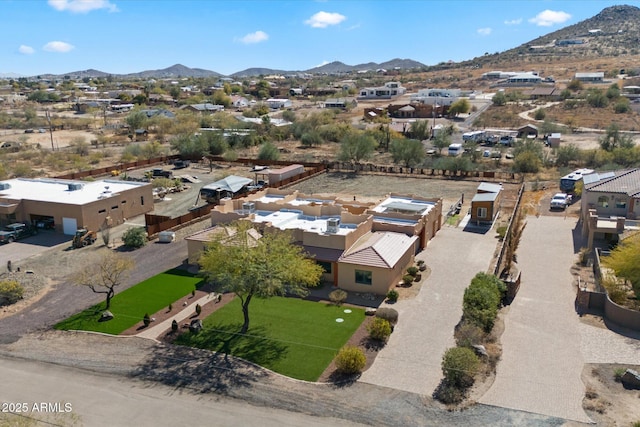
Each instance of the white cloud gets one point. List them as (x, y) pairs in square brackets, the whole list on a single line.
[(56, 46), (26, 50), (513, 21), (324, 19), (321, 64), (257, 37), (82, 6), (484, 31), (547, 18)]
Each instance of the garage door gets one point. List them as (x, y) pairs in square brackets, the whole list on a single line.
[(69, 226)]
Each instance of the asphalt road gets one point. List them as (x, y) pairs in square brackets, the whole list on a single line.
[(103, 400)]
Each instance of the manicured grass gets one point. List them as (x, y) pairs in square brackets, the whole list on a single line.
[(129, 306), (294, 337)]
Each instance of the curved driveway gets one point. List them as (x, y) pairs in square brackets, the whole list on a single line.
[(411, 360)]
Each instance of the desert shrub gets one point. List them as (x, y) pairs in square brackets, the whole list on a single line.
[(135, 237), (412, 271), (338, 296), (583, 256), (618, 373), (350, 360), (482, 299), (615, 289), (539, 114), (393, 295), (407, 279), (146, 319), (10, 292), (389, 314), (379, 329), (448, 393), (459, 366), (469, 334), (502, 231)]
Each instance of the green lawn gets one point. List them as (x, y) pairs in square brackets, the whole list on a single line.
[(129, 306), (294, 337)]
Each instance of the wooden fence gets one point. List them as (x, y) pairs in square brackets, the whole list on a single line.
[(507, 235)]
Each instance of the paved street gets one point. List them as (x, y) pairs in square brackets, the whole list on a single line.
[(542, 359), (412, 358), (103, 400)]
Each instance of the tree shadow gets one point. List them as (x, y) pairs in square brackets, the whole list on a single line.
[(341, 380), (372, 344), (217, 359)]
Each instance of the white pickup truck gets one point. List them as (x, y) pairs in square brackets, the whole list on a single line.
[(560, 201)]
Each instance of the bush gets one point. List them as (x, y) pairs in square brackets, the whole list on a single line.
[(135, 237), (379, 329), (388, 314), (407, 279), (502, 231), (459, 366), (469, 334), (393, 295), (618, 373), (539, 114), (482, 299), (10, 292), (146, 319), (338, 296), (174, 325), (170, 307), (198, 309), (412, 271), (350, 360), (449, 394)]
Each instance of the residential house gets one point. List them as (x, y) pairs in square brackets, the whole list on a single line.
[(524, 79), (437, 96), (608, 199), (279, 103), (485, 204), (73, 204), (160, 112), (597, 77), (203, 108), (388, 91), (543, 92), (528, 131), (340, 103), (239, 101), (363, 247)]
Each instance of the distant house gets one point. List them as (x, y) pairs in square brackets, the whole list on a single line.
[(543, 92), (161, 112), (524, 79), (569, 42), (597, 77), (239, 101), (437, 96), (485, 205), (203, 108), (159, 98), (528, 131), (340, 103), (388, 91), (279, 103)]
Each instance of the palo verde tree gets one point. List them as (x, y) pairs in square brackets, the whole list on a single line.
[(104, 276), (625, 261), (409, 152), (250, 265), (356, 147)]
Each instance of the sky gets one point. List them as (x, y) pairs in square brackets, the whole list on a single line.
[(226, 36)]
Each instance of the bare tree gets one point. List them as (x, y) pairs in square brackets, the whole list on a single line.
[(104, 276)]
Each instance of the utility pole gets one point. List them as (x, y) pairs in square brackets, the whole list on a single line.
[(48, 115)]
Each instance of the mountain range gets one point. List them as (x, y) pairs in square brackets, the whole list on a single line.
[(612, 32)]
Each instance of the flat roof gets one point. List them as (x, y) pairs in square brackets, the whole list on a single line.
[(58, 190), (294, 220), (404, 205)]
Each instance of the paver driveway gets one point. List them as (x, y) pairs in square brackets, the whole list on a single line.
[(411, 359), (541, 357)]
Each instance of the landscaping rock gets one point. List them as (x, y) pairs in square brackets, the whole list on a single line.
[(370, 311), (480, 350), (106, 315), (631, 379), (195, 326)]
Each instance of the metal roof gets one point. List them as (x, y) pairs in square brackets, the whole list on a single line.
[(231, 183), (625, 182)]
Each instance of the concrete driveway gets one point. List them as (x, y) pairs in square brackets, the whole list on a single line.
[(411, 360), (542, 359)]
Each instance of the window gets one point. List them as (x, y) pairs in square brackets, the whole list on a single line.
[(124, 202), (102, 211), (326, 266), (603, 201), (621, 204), (481, 213), (363, 277), (114, 207), (142, 200)]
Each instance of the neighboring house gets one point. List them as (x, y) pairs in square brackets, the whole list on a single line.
[(159, 112), (73, 204), (226, 187), (278, 103), (388, 91), (416, 110), (569, 42), (485, 204), (158, 98), (437, 96), (528, 131), (543, 92), (524, 79), (340, 103), (597, 77), (203, 108), (363, 247), (608, 199), (239, 101)]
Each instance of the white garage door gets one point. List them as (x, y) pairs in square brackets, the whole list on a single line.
[(69, 226)]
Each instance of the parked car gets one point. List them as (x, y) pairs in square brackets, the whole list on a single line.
[(16, 231), (28, 131), (560, 201), (506, 140)]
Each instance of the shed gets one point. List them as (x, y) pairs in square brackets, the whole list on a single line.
[(527, 131), (485, 205), (554, 140)]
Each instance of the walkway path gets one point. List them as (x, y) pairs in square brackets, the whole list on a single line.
[(412, 358), (542, 360), (157, 330)]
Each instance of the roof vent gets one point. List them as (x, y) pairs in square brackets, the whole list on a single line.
[(249, 207), (73, 186), (4, 186), (333, 225)]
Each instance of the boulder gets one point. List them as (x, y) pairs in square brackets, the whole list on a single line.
[(370, 311), (480, 350), (195, 326), (106, 315), (631, 379)]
